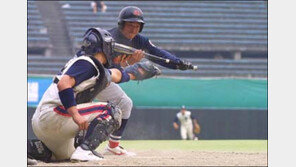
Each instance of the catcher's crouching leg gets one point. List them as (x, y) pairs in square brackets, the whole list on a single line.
[(98, 132)]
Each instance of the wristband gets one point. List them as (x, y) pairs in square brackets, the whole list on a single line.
[(124, 76), (67, 98)]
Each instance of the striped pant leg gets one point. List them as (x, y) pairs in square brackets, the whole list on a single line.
[(56, 128)]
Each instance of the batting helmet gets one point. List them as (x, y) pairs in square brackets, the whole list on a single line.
[(97, 40), (132, 14)]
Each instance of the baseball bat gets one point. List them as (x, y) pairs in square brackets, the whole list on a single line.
[(130, 50)]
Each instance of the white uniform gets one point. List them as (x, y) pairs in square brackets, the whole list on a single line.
[(186, 128), (54, 126)]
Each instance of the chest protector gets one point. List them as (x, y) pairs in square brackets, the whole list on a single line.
[(102, 82)]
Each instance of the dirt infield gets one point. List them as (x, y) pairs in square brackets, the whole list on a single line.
[(177, 158)]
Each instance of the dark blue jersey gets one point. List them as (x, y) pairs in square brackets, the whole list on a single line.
[(143, 43)]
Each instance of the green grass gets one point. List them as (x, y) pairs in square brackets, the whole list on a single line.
[(200, 145)]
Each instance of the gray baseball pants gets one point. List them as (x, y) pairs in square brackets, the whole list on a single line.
[(113, 93)]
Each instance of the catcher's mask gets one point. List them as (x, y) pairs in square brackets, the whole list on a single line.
[(132, 14), (97, 40)]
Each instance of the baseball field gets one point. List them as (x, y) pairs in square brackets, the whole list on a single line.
[(184, 153)]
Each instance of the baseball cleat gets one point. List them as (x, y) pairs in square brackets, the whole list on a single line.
[(117, 151), (81, 155)]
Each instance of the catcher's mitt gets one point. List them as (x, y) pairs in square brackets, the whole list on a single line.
[(196, 129), (143, 70)]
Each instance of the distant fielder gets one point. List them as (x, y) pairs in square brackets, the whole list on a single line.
[(186, 119)]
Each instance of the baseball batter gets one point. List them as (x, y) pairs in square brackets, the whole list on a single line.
[(67, 105), (130, 24), (186, 119)]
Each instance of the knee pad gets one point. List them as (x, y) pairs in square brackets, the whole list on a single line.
[(126, 105), (37, 150), (99, 129), (98, 132), (119, 131), (79, 138)]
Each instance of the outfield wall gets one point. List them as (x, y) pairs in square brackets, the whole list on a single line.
[(173, 92), (225, 108), (215, 124)]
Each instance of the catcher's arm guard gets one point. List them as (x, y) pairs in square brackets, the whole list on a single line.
[(143, 70)]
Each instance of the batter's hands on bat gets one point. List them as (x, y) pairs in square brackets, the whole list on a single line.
[(136, 57), (122, 59), (184, 65)]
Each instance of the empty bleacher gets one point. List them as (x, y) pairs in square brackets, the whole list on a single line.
[(46, 65), (185, 26), (37, 31)]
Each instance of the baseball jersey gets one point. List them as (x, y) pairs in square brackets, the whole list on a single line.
[(82, 69), (185, 119), (143, 43)]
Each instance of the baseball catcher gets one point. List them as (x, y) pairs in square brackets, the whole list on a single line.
[(67, 105)]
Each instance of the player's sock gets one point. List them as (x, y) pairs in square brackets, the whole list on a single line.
[(114, 141), (115, 137)]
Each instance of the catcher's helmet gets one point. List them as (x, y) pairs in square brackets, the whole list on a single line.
[(97, 40), (132, 14)]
